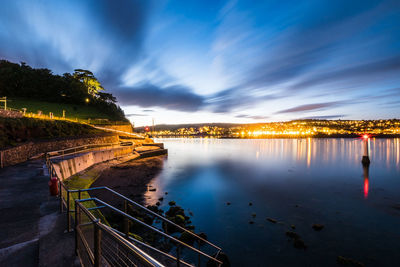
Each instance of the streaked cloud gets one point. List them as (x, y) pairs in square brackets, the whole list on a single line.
[(263, 60)]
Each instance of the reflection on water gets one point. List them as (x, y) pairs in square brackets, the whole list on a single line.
[(297, 182), (366, 180)]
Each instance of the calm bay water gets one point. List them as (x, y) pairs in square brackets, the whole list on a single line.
[(296, 182)]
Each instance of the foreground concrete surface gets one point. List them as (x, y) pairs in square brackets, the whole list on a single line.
[(31, 226)]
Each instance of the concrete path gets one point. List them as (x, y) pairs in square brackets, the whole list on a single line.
[(31, 227)]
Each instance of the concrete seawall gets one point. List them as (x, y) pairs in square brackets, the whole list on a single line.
[(68, 167)]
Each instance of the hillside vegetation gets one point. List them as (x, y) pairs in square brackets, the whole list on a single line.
[(76, 92), (14, 131), (72, 111)]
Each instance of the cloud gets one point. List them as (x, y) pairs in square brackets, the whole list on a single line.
[(312, 107), (323, 117), (315, 46), (174, 97), (234, 98), (254, 117), (103, 36), (362, 72), (136, 115), (260, 51)]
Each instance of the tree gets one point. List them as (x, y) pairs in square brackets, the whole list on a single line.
[(105, 97), (87, 77)]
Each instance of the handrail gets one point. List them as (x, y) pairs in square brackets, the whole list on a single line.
[(140, 255), (150, 247), (147, 210), (79, 191), (149, 227)]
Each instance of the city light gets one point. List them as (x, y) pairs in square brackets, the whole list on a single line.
[(291, 129)]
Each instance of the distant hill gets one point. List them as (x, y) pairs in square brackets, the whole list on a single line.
[(40, 89), (172, 127)]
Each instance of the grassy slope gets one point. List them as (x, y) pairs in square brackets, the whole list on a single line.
[(16, 131), (71, 111)]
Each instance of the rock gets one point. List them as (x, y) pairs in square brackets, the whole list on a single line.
[(187, 238), (179, 219), (299, 244), (172, 203), (317, 227), (272, 220), (297, 241), (348, 261), (203, 235), (292, 235), (153, 208), (221, 257), (175, 210)]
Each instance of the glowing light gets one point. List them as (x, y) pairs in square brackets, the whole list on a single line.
[(366, 187), (87, 100), (365, 136)]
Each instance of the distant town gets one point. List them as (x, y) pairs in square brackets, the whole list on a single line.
[(290, 129)]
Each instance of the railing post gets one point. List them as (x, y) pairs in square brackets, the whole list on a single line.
[(77, 221), (126, 220), (79, 194), (97, 244), (61, 197), (178, 255), (199, 256), (68, 217)]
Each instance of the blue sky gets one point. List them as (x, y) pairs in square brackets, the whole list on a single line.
[(219, 61)]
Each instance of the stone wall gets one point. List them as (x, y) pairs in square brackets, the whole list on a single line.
[(23, 152), (10, 114)]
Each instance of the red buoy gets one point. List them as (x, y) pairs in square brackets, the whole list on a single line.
[(53, 186)]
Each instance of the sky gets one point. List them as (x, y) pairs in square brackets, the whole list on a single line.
[(219, 61)]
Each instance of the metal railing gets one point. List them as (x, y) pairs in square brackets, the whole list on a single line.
[(97, 245), (68, 196)]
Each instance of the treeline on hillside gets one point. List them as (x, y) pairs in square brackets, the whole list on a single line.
[(80, 87)]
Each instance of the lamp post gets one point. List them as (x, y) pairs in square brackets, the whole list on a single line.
[(365, 159)]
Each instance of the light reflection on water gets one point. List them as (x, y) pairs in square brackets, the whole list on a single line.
[(296, 181)]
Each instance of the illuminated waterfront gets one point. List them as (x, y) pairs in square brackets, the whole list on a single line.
[(291, 129), (296, 182)]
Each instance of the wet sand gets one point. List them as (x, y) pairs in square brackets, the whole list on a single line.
[(129, 178)]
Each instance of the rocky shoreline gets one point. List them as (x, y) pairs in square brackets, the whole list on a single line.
[(129, 179)]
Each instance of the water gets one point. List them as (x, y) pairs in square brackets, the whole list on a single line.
[(297, 182)]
